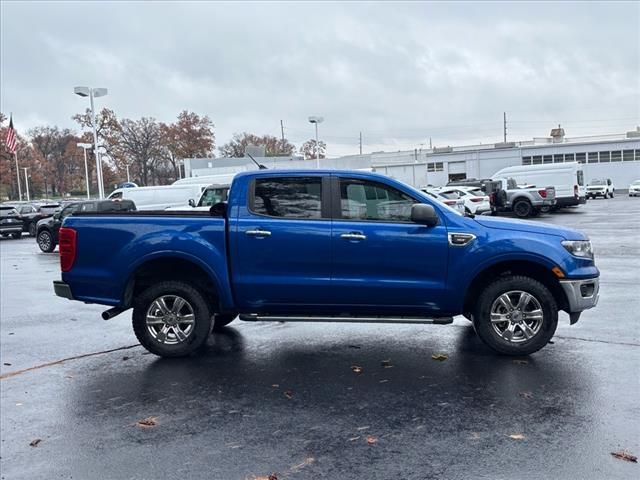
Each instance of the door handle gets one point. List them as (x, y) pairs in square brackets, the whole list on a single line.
[(258, 233), (353, 236)]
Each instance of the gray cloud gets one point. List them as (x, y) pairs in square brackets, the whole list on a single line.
[(399, 73)]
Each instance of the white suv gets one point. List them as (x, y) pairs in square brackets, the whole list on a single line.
[(600, 187), (634, 189)]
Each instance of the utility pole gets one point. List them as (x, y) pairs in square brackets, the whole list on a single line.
[(282, 130), (504, 115), (430, 145), (360, 143), (26, 182)]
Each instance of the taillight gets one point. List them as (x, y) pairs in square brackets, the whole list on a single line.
[(68, 239), (450, 202), (543, 193), (477, 199), (576, 191)]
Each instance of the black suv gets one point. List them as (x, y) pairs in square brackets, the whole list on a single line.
[(10, 223), (47, 229)]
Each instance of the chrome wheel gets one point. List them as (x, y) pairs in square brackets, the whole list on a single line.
[(516, 316), (170, 319)]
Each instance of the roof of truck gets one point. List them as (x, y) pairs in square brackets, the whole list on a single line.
[(308, 171)]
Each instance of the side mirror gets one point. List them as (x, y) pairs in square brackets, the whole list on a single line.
[(192, 202), (56, 216), (424, 214)]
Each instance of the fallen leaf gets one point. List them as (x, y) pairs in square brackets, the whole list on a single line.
[(371, 440), (357, 369), (288, 394), (516, 436), (35, 443), (386, 363), (623, 455), (439, 356), (521, 362), (526, 394), (125, 358), (147, 422), (271, 476)]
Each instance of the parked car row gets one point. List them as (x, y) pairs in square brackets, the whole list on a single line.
[(27, 214)]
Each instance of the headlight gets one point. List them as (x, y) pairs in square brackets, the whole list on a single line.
[(579, 248)]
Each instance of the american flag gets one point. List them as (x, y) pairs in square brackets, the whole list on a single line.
[(12, 141)]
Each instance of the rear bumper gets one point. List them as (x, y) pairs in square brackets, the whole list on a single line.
[(581, 294), (570, 201), (62, 289)]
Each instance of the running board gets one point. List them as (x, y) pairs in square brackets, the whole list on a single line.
[(253, 317)]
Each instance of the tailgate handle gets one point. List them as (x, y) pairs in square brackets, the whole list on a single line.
[(353, 236), (258, 233)]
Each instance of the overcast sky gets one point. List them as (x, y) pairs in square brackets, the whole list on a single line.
[(399, 73)]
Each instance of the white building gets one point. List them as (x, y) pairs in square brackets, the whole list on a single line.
[(605, 156)]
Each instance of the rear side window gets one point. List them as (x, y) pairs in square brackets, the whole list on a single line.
[(288, 197), (362, 200)]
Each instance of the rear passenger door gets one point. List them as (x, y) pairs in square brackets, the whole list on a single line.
[(281, 243)]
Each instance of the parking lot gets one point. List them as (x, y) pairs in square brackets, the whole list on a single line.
[(306, 401)]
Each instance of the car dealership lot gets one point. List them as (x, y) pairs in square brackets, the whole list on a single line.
[(289, 399)]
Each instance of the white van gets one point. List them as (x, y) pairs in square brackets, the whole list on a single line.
[(160, 197), (567, 178), (210, 196), (219, 179)]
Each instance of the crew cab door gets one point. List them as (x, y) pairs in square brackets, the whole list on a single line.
[(281, 243), (383, 262)]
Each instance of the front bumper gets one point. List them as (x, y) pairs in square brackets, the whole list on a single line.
[(581, 294), (62, 289)]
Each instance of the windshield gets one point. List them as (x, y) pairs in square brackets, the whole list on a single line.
[(5, 212), (598, 181), (637, 182), (477, 192), (450, 195)]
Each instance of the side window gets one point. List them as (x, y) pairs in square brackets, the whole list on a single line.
[(288, 197), (115, 196), (361, 200)]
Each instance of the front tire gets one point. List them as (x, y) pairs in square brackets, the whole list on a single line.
[(171, 319), (515, 315), (45, 241)]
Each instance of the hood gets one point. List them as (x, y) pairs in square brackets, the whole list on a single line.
[(530, 227)]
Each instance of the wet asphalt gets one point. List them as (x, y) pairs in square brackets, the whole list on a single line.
[(287, 400)]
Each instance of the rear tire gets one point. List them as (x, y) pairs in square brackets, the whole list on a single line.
[(45, 241), (515, 315), (171, 319), (522, 208)]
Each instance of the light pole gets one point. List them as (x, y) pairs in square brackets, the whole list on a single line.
[(316, 120), (94, 93), (84, 147), (26, 182)]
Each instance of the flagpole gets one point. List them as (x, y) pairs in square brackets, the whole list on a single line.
[(18, 176)]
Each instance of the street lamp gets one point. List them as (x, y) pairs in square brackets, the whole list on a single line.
[(316, 120), (84, 147), (94, 93)]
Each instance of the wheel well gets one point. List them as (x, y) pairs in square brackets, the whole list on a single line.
[(519, 199), (528, 269), (170, 268)]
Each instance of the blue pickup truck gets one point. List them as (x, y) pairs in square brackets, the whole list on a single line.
[(316, 245)]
